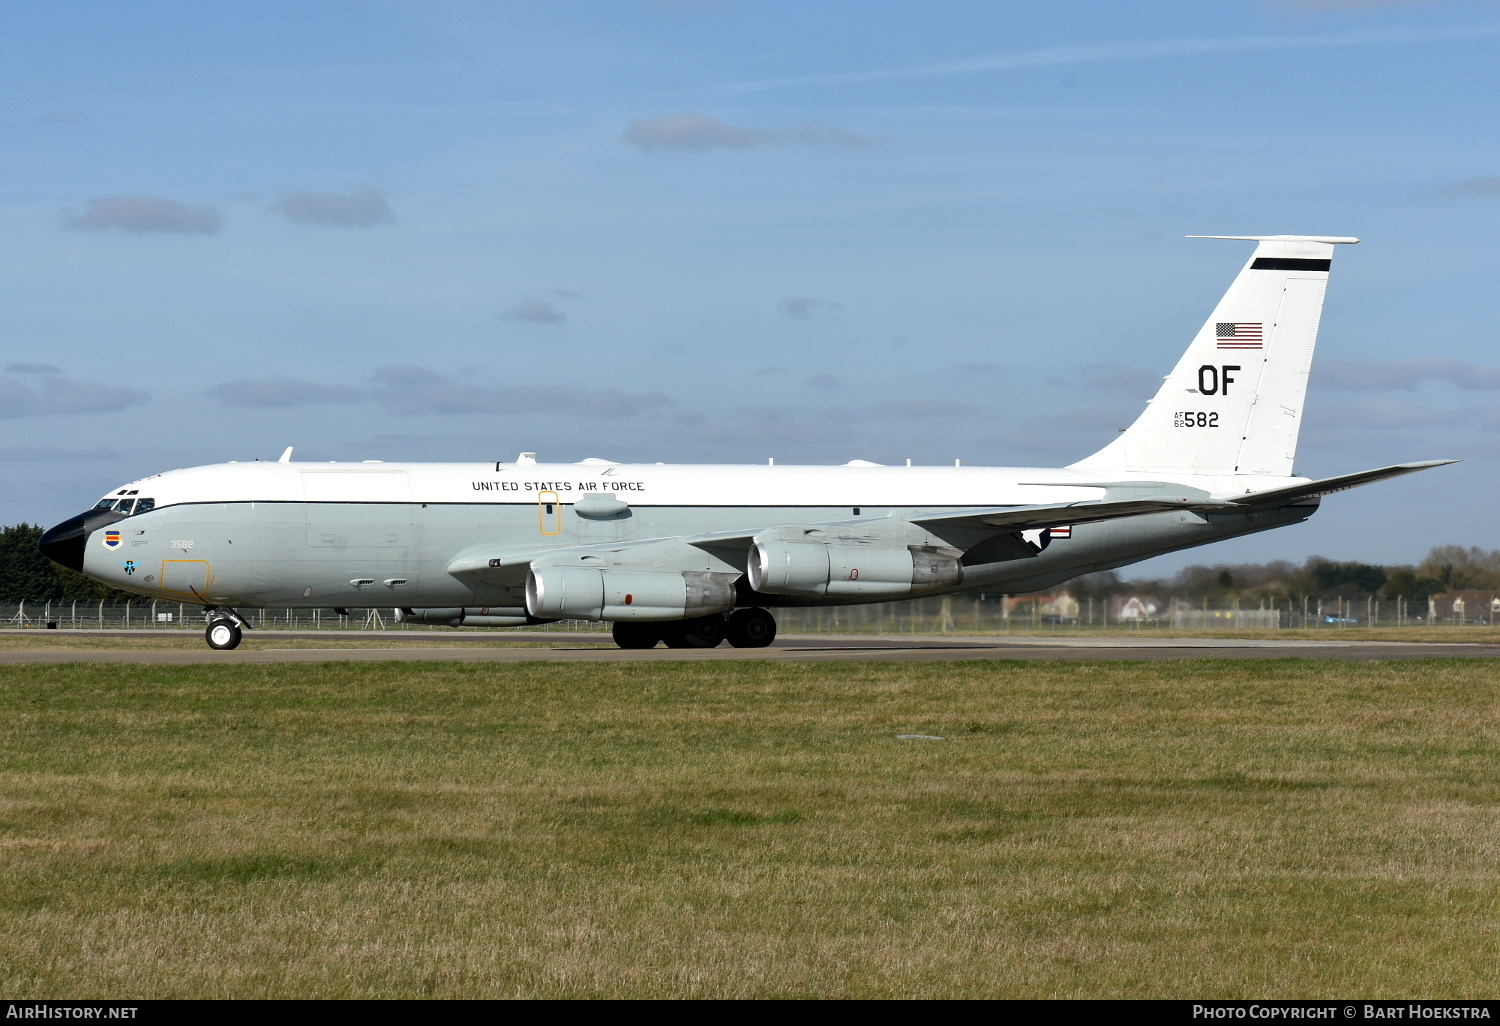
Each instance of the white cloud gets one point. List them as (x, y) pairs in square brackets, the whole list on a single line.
[(916, 409), (690, 131), (363, 208), (282, 392), (410, 390), (1387, 413), (909, 409), (1111, 377), (59, 396), (406, 390), (52, 454), (535, 311), (1474, 187), (144, 215), (802, 308), (1405, 375)]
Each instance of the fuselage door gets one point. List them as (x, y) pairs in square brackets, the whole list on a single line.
[(549, 513), (185, 577)]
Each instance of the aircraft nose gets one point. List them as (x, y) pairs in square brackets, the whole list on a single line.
[(64, 543)]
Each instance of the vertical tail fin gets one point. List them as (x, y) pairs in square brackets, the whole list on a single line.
[(1233, 403)]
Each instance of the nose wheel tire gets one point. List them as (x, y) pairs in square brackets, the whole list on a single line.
[(636, 635), (222, 635), (751, 628)]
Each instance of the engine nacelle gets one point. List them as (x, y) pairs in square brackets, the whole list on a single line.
[(588, 593), (817, 569), (468, 616)]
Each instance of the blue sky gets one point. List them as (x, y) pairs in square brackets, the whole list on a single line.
[(703, 231)]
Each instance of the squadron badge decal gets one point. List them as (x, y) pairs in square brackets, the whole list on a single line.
[(111, 539)]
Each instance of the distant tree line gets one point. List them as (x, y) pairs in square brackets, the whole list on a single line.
[(28, 576), (1447, 568)]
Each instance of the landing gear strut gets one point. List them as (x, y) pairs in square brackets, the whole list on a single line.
[(225, 628)]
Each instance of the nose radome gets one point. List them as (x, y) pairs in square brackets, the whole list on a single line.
[(64, 543)]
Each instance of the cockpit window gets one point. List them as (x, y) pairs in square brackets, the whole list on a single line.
[(130, 507)]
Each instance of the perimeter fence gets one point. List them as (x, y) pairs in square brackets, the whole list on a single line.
[(962, 614)]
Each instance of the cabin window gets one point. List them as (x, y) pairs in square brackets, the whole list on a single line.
[(105, 504), (144, 506), (123, 506)]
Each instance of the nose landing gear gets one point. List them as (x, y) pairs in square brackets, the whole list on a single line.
[(222, 634), (225, 628)]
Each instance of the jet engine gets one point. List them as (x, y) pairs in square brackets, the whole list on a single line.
[(468, 616), (818, 569), (589, 593)]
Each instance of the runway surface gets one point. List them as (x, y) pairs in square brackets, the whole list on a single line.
[(586, 647)]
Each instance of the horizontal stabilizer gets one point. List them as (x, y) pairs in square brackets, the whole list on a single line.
[(1329, 485)]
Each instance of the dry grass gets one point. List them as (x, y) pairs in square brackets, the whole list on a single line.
[(1447, 635), (260, 641), (1214, 828)]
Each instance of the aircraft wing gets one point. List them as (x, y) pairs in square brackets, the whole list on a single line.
[(1123, 499), (1021, 518), (1329, 485)]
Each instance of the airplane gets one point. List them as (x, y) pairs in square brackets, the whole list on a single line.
[(691, 556)]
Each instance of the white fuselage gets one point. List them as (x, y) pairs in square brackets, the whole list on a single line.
[(462, 534)]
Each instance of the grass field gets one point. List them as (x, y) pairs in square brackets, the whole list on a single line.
[(148, 641), (1213, 828)]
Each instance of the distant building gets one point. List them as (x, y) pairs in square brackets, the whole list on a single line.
[(1062, 606), (1137, 608)]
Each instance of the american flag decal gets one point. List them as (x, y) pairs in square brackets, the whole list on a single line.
[(1239, 335)]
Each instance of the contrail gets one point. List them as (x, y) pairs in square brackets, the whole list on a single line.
[(1136, 50)]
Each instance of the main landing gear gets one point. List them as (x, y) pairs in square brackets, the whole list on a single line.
[(225, 628), (744, 628)]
